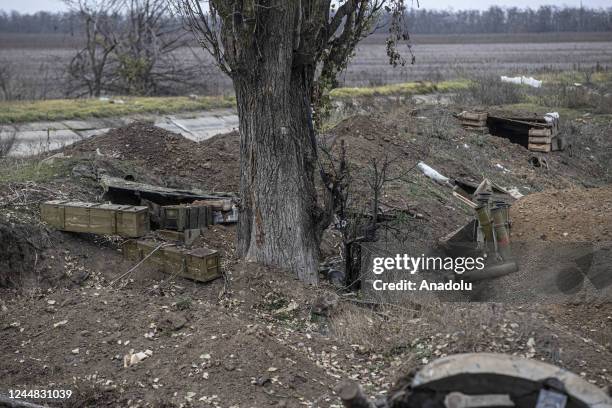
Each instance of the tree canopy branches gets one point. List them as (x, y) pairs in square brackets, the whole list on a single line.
[(324, 33)]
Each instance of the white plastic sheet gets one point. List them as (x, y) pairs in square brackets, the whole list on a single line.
[(433, 174), (551, 117), (522, 80)]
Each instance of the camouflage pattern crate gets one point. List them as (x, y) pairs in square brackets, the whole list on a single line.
[(105, 219), (200, 264)]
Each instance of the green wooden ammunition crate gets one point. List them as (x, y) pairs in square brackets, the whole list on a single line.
[(184, 217), (200, 264), (105, 219)]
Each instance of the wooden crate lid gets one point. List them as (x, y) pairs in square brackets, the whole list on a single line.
[(202, 252), (123, 208), (79, 204), (55, 202)]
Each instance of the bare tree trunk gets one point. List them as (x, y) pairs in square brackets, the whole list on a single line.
[(277, 223), (271, 50), (279, 215)]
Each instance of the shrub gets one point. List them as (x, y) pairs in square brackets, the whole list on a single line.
[(576, 97), (7, 140), (490, 90)]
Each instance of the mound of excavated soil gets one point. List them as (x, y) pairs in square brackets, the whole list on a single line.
[(561, 243), (573, 215), (212, 164), (32, 256), (19, 247)]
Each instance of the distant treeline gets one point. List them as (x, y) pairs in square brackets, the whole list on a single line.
[(419, 21), (40, 22), (510, 20)]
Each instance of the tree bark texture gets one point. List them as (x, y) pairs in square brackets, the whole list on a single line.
[(278, 222)]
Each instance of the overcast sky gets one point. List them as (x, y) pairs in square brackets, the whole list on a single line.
[(28, 6)]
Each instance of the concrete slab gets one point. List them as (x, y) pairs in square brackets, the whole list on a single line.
[(86, 134), (201, 127), (209, 113), (34, 126), (83, 124), (33, 142), (171, 127), (7, 130), (38, 137), (202, 122)]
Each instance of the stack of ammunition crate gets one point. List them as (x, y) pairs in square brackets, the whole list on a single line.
[(200, 264), (185, 217), (542, 139), (106, 219), (184, 222), (473, 120)]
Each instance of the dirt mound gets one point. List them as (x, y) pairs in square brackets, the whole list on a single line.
[(19, 249), (366, 137), (561, 242), (211, 164), (33, 257), (573, 215)]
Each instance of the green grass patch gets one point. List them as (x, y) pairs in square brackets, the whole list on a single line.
[(63, 109), (572, 77), (403, 89), (66, 109), (23, 170)]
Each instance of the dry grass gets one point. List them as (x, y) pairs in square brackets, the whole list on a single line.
[(63, 109), (487, 89), (592, 98), (7, 140), (411, 334), (403, 89)]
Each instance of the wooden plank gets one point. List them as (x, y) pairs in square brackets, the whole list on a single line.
[(128, 192), (534, 122), (465, 200), (469, 122), (474, 116), (219, 205), (482, 125), (540, 139), (546, 148), (540, 132)]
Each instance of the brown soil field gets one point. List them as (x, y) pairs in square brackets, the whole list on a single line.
[(585, 215), (39, 62)]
